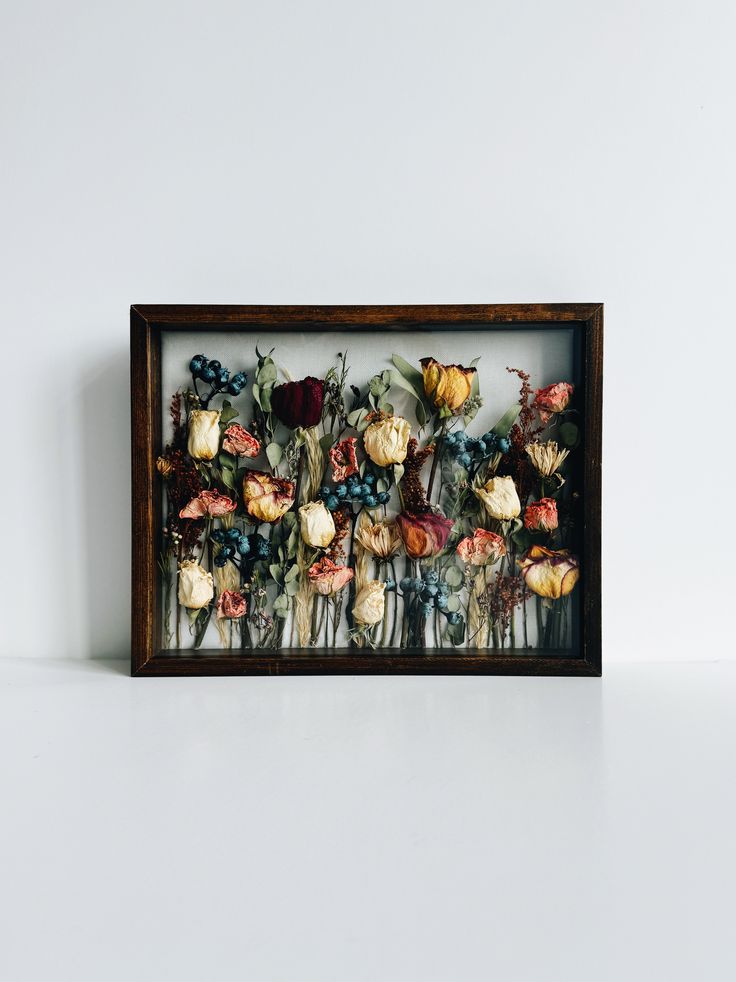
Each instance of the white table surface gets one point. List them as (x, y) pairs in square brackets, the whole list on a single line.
[(367, 828)]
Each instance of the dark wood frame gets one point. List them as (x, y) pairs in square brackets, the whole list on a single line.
[(147, 323)]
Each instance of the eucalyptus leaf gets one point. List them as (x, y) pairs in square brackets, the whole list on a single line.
[(456, 632), (292, 573), (453, 602), (267, 374), (266, 400), (274, 452), (292, 587), (569, 434), (453, 576), (503, 426), (275, 570), (257, 393), (411, 374)]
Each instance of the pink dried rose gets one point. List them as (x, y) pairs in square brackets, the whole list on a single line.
[(481, 548), (552, 399), (541, 516), (240, 442), (327, 577), (231, 605), (343, 459), (208, 504)]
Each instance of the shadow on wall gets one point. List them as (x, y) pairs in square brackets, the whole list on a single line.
[(105, 433)]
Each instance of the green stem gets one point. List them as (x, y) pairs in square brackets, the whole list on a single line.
[(437, 454), (540, 624)]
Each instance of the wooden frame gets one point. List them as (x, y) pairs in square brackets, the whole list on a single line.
[(147, 324)]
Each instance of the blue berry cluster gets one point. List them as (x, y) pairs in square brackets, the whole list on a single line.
[(212, 372), (360, 489), (431, 593), (233, 542), (465, 449)]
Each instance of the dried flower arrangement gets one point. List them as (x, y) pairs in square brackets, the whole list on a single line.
[(322, 520)]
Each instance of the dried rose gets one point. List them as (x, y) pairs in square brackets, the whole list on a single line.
[(541, 516), (316, 524), (267, 498), (196, 588), (448, 386), (299, 403), (548, 573), (327, 577), (386, 440), (382, 539), (343, 459), (424, 533), (481, 548), (552, 399), (231, 604), (499, 498), (204, 433), (208, 504), (238, 441), (369, 604)]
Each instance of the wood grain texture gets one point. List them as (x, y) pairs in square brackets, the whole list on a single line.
[(148, 322)]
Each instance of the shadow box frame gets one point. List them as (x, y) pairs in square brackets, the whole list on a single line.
[(148, 324)]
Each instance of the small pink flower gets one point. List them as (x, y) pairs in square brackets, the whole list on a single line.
[(328, 578), (240, 442), (343, 459), (208, 504), (481, 548), (231, 605), (541, 516), (552, 399)]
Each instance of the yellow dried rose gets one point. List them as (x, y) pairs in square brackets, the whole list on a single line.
[(267, 498), (204, 433), (549, 573), (369, 604), (196, 587), (382, 539), (448, 386), (386, 440), (316, 524), (499, 498)]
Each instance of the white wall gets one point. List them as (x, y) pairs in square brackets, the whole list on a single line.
[(352, 152)]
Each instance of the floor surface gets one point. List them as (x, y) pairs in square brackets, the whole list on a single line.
[(350, 829)]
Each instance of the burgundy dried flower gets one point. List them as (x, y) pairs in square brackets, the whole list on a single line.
[(299, 403)]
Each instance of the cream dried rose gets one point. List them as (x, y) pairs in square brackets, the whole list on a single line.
[(196, 588), (204, 433), (386, 440), (499, 498), (316, 524), (369, 604)]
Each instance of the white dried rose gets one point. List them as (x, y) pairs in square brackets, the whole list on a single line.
[(204, 433), (386, 440), (196, 588), (500, 498), (369, 604), (316, 524)]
